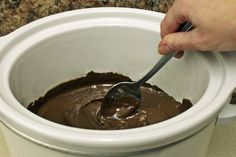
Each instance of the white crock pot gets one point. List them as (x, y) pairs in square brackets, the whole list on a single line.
[(65, 46)]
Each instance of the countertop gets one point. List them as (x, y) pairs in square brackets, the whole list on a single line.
[(16, 13)]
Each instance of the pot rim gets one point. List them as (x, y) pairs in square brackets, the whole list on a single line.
[(59, 136)]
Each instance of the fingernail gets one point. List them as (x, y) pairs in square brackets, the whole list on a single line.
[(179, 54), (162, 48)]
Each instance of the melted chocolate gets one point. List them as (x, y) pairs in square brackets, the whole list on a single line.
[(77, 104)]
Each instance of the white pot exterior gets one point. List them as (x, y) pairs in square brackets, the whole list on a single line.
[(68, 45), (194, 146)]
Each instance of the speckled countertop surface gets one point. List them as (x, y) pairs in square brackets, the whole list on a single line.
[(16, 13)]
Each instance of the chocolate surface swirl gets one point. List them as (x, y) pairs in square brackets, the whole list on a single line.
[(77, 104)]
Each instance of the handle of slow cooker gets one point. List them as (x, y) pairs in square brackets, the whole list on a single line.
[(228, 114)]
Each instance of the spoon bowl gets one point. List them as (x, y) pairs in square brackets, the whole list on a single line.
[(129, 91)]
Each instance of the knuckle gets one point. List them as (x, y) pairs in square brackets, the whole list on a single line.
[(200, 42), (165, 28), (173, 44), (183, 6), (182, 46)]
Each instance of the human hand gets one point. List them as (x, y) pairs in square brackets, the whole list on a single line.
[(214, 26)]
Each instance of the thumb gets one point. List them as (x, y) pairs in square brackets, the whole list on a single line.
[(178, 41)]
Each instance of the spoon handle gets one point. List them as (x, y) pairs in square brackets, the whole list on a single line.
[(183, 28)]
